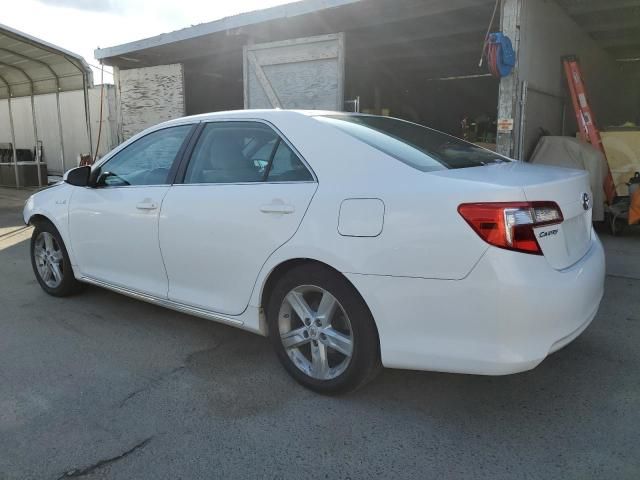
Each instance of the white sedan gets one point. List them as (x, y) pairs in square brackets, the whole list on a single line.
[(352, 241)]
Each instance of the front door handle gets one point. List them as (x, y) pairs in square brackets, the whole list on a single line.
[(277, 208), (147, 205)]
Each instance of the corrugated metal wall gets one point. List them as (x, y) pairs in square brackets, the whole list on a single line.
[(49, 132), (5, 129), (74, 130)]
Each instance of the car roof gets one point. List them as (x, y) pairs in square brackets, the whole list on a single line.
[(265, 114)]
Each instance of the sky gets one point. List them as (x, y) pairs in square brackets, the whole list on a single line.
[(83, 25)]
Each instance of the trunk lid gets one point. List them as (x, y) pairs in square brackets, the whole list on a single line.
[(565, 244), (562, 244)]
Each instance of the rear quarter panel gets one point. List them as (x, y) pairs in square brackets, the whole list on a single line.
[(422, 236)]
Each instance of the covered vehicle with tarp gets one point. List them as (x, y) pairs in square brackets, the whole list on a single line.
[(570, 152)]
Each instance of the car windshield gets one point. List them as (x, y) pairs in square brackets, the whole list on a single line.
[(420, 147)]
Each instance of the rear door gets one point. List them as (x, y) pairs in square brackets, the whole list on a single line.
[(243, 195)]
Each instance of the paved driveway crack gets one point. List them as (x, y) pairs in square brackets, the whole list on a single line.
[(159, 379), (80, 472), (150, 385)]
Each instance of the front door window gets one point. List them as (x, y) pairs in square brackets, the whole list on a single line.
[(147, 161)]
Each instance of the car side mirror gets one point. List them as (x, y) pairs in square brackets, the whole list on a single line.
[(78, 177)]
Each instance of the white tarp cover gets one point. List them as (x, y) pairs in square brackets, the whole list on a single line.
[(570, 152)]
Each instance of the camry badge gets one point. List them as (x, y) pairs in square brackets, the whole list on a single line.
[(586, 201)]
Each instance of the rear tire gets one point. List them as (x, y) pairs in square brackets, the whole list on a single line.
[(50, 261), (322, 331)]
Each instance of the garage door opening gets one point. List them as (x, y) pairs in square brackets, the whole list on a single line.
[(464, 106), (214, 83), (424, 68)]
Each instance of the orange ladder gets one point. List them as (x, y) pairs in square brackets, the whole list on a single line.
[(586, 122)]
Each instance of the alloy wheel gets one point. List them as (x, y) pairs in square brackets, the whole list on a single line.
[(315, 332), (49, 260)]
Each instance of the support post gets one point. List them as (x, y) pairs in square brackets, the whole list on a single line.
[(35, 137), (508, 96), (524, 90), (87, 113), (13, 144), (117, 95), (60, 130)]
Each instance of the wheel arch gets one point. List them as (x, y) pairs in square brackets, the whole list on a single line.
[(37, 218), (281, 269)]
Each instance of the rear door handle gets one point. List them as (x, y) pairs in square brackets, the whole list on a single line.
[(147, 205), (277, 208)]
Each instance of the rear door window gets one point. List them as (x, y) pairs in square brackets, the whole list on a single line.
[(286, 166), (243, 152)]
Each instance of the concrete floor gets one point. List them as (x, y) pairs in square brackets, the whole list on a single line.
[(103, 386)]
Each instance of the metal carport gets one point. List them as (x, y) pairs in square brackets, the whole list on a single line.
[(30, 66)]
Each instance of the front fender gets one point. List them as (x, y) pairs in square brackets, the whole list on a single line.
[(52, 204)]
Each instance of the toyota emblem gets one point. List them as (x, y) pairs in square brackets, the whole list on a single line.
[(586, 201)]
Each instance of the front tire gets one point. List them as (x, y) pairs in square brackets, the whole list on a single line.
[(322, 330), (50, 261)]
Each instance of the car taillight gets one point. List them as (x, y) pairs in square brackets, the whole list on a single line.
[(510, 225)]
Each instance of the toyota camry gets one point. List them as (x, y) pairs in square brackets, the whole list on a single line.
[(352, 241)]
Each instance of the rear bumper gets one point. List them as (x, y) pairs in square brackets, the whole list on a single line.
[(505, 317)]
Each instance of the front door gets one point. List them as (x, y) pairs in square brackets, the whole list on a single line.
[(244, 194), (114, 226)]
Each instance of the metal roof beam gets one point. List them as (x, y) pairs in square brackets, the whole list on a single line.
[(416, 53), (6, 84), (398, 13), (632, 51), (598, 25), (596, 6), (23, 72), (24, 38), (39, 63), (35, 60), (369, 41), (619, 39)]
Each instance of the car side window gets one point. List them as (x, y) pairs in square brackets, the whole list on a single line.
[(242, 152), (287, 167), (147, 161)]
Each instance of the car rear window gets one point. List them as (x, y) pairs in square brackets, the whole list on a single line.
[(420, 147)]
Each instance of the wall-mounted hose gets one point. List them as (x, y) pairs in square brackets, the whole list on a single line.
[(500, 55)]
